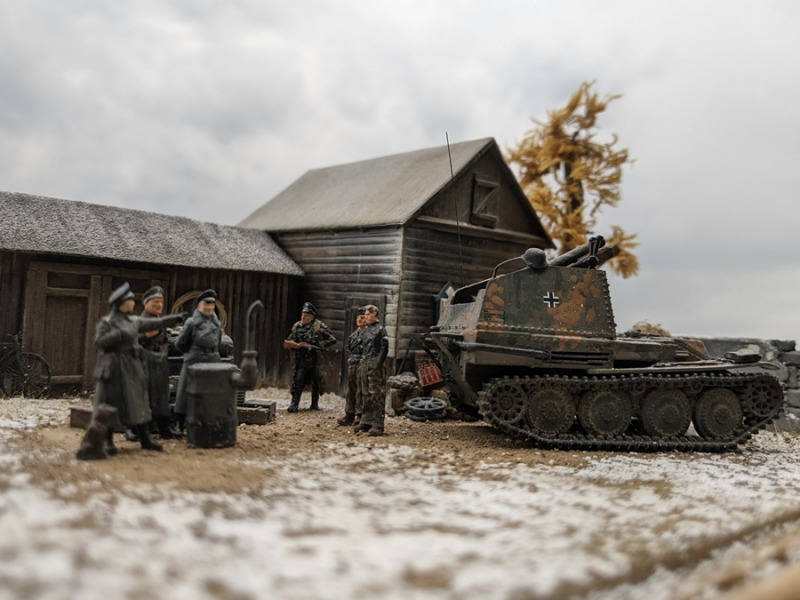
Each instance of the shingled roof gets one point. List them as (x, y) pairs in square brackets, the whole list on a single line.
[(389, 190), (43, 225)]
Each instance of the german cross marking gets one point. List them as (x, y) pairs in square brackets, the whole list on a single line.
[(551, 299)]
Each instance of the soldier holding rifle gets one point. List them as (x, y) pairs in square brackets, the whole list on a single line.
[(308, 338)]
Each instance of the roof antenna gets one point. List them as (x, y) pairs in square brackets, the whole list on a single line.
[(455, 207)]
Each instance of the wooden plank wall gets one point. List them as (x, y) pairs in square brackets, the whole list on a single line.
[(237, 290), (431, 258), (12, 277), (344, 269), (346, 264)]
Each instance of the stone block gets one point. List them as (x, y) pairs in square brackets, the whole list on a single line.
[(792, 398), (791, 358), (791, 377), (396, 399), (784, 345), (80, 416)]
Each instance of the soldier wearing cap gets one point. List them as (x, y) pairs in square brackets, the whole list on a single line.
[(373, 373), (201, 341), (354, 349), (309, 336), (156, 362), (120, 374)]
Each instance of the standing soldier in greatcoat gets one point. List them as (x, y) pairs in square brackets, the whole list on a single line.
[(201, 341), (156, 362), (373, 373), (354, 402), (308, 338), (120, 375)]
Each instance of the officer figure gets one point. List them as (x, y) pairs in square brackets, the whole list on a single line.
[(354, 349), (201, 341), (309, 336), (121, 380), (156, 363)]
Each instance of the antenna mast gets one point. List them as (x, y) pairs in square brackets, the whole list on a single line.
[(455, 208)]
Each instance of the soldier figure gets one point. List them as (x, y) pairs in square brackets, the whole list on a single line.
[(354, 401), (120, 375), (309, 336), (373, 374), (156, 363), (201, 341)]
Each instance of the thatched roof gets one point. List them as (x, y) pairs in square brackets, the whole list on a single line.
[(52, 226), (389, 190)]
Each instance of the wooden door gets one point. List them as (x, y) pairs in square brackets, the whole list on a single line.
[(63, 304)]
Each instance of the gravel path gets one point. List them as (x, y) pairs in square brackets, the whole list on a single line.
[(305, 509)]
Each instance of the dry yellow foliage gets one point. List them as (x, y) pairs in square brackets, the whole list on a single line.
[(569, 177)]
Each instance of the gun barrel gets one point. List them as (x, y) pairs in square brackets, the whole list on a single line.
[(574, 255)]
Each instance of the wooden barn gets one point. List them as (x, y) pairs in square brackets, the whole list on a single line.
[(60, 259), (394, 231)]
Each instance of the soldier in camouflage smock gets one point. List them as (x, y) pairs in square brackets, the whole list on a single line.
[(354, 348), (308, 338), (373, 373)]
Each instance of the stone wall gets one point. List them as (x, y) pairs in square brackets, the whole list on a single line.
[(785, 358)]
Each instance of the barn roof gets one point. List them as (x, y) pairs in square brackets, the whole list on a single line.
[(38, 224), (388, 190)]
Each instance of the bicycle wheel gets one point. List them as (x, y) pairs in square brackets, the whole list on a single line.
[(26, 375)]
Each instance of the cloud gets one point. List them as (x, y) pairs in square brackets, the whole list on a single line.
[(209, 109)]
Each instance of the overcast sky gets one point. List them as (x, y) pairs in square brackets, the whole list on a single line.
[(208, 109)]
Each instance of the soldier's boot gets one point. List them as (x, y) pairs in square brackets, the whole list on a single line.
[(111, 449), (131, 435), (164, 431), (293, 405), (146, 441), (315, 403), (363, 427), (375, 431), (347, 419)]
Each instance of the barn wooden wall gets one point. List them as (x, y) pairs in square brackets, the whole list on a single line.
[(46, 296), (344, 270), (345, 265), (431, 258), (12, 277), (237, 290)]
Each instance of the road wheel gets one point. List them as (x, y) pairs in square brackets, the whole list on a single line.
[(666, 413), (717, 414), (605, 412), (551, 411)]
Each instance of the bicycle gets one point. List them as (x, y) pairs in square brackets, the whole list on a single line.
[(24, 374)]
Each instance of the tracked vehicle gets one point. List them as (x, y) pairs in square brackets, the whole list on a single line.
[(536, 352)]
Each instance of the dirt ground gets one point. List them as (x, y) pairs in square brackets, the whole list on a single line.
[(304, 508)]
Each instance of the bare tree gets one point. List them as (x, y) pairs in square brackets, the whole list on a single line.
[(569, 177)]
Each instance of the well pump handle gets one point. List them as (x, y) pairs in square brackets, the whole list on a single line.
[(251, 324)]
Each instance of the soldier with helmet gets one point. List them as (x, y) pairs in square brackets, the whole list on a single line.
[(120, 374), (354, 349), (308, 338), (373, 373)]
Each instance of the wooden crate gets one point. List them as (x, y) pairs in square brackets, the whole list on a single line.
[(427, 372), (257, 412)]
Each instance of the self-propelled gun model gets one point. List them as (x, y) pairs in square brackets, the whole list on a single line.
[(536, 352)]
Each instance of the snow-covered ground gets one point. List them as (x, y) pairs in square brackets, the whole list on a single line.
[(361, 519)]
